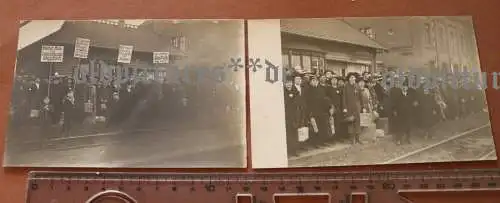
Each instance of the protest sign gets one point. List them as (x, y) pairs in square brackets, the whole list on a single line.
[(81, 48), (161, 57), (52, 54), (125, 53)]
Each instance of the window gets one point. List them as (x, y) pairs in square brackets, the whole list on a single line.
[(285, 61), (452, 43), (179, 42), (182, 43), (175, 42), (370, 33), (442, 37), (428, 36), (315, 62), (462, 44), (296, 61), (306, 63), (321, 63)]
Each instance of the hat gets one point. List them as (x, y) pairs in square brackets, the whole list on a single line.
[(356, 75), (296, 74), (359, 79)]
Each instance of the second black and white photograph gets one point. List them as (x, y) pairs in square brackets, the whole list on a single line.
[(128, 93), (369, 91)]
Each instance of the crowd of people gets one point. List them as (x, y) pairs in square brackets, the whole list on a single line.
[(327, 108), (66, 105)]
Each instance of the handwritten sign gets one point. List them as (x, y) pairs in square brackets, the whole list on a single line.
[(52, 54), (161, 57), (81, 48), (125, 53)]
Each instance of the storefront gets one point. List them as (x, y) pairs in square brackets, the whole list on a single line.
[(314, 47)]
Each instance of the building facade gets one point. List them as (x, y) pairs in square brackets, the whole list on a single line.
[(431, 44), (318, 45), (190, 44)]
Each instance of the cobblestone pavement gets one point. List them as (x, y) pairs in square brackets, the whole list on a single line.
[(380, 150)]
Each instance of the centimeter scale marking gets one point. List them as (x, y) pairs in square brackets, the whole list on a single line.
[(373, 187)]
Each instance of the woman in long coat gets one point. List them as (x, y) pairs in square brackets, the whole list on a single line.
[(428, 111), (335, 93), (352, 108)]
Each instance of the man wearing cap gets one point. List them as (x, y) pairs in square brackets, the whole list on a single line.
[(402, 109)]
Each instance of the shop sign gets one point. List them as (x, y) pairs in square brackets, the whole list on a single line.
[(52, 54), (82, 48), (125, 53), (161, 57)]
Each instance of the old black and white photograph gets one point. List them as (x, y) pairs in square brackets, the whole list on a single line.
[(128, 93), (370, 91)]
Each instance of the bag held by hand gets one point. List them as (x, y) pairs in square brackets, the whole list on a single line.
[(303, 134), (365, 119)]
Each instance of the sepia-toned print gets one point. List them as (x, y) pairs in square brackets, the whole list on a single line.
[(368, 91), (128, 93)]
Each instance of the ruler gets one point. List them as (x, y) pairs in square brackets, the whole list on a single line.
[(362, 187)]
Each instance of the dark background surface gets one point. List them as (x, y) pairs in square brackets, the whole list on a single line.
[(485, 14)]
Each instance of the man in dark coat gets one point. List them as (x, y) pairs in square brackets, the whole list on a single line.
[(36, 92), (113, 110), (68, 108), (403, 105), (126, 102), (318, 106), (299, 86), (292, 112), (429, 111)]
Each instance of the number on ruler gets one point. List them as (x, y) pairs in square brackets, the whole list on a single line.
[(210, 188), (406, 186), (440, 186), (457, 185), (300, 189), (34, 186), (388, 186), (424, 186), (475, 185), (492, 184)]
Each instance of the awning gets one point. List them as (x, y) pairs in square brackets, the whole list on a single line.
[(37, 30)]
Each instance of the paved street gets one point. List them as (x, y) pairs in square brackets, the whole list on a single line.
[(154, 147), (382, 150)]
